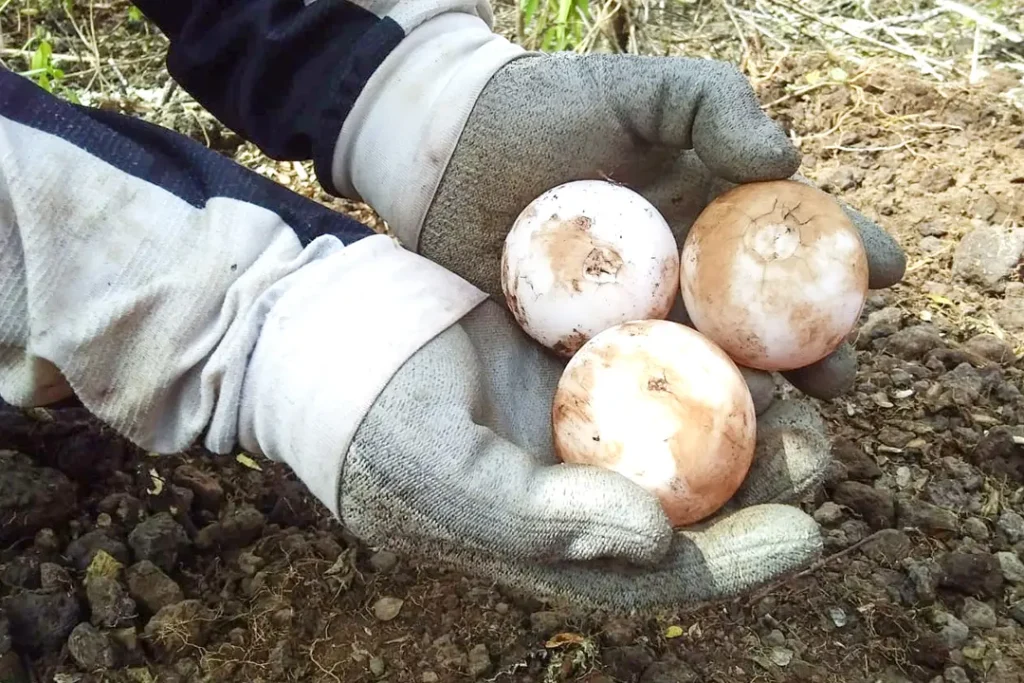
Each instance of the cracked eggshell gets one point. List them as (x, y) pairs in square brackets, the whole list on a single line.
[(775, 273), (661, 404), (584, 256)]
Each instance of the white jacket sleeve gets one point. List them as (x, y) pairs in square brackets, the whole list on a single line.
[(140, 270)]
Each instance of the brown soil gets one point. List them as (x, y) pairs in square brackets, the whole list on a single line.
[(921, 510)]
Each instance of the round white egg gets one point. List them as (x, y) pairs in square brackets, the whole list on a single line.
[(585, 256)]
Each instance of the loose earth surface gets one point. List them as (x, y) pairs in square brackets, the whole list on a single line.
[(120, 566)]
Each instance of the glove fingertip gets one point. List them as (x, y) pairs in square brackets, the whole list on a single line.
[(887, 262), (745, 151), (830, 377)]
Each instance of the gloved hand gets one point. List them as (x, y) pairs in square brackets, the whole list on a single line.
[(679, 131), (454, 462)]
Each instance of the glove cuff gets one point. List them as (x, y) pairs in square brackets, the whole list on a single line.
[(397, 142), (340, 329)]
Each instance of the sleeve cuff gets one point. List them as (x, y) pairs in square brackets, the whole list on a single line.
[(331, 342), (396, 143)]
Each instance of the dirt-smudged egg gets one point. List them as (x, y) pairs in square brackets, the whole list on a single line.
[(775, 273), (585, 256), (659, 403)]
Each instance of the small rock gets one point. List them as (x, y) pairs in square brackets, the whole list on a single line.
[(41, 622), (148, 584), (546, 622), (859, 465), (449, 655), (178, 626), (22, 571), (31, 498), (977, 614), (923, 578), (986, 207), (897, 438), (83, 549), (930, 650), (479, 661), (1011, 525), (879, 324), (841, 179), (236, 530), (828, 514), (206, 488), (619, 631), (930, 245), (975, 574), (668, 670), (159, 539), (429, 677), (937, 179), (912, 343), (53, 577), (122, 506), (875, 506), (127, 638), (780, 656), (621, 663), (109, 602), (955, 632), (997, 454), (90, 648), (383, 561), (387, 608), (835, 474), (988, 254), (955, 674), (976, 529), (46, 542), (1016, 612), (1013, 568), (931, 229), (931, 519), (889, 547), (990, 347), (377, 667)]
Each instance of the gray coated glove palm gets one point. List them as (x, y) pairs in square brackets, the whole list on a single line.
[(679, 131), (455, 462)]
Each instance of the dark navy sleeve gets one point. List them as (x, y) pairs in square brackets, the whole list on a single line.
[(282, 74), (162, 158)]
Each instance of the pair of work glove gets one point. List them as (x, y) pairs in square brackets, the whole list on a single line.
[(455, 458), (408, 401)]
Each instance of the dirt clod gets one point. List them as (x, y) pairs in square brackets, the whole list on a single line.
[(159, 539), (975, 574), (91, 648), (41, 622), (150, 586)]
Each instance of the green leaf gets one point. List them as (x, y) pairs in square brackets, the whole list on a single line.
[(41, 57), (529, 9)]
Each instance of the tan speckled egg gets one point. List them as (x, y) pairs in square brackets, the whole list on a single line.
[(659, 403), (584, 256), (775, 273)]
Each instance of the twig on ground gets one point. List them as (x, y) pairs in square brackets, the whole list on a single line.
[(56, 58), (981, 20), (815, 566), (920, 59)]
